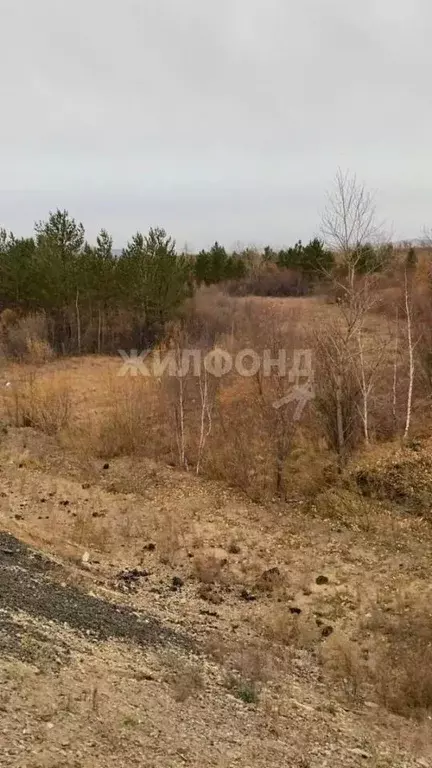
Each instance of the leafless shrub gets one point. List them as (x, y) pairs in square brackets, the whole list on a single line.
[(338, 396), (271, 281), (187, 682), (185, 677), (169, 538), (126, 427), (25, 338), (290, 629), (341, 658), (209, 315), (251, 663)]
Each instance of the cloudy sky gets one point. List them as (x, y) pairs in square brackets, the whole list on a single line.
[(217, 119)]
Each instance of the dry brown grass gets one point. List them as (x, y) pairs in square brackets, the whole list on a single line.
[(25, 338), (249, 444), (185, 679), (342, 659), (126, 426), (45, 405), (402, 670), (208, 568), (390, 659), (169, 537), (292, 630)]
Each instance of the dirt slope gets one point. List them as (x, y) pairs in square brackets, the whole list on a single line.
[(195, 630)]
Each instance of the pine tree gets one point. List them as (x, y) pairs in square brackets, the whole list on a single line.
[(411, 258)]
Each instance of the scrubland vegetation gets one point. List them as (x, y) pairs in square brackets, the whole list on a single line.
[(304, 541), (361, 306)]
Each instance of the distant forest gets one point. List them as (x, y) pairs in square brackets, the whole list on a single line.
[(95, 300)]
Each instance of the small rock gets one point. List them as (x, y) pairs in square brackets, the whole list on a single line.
[(359, 752), (327, 631), (85, 558), (371, 704), (245, 595), (234, 549), (106, 466), (294, 610), (144, 675), (177, 583), (270, 579), (150, 547), (320, 580), (86, 486), (132, 577)]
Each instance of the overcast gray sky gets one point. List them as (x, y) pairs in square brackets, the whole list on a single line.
[(217, 119)]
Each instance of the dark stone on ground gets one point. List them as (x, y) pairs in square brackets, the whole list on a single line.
[(248, 596), (320, 580), (327, 631)]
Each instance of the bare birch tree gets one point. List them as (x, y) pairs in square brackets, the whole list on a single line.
[(408, 311), (208, 387), (395, 374), (349, 221), (179, 409), (348, 224)]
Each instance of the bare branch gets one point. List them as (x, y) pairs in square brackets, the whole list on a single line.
[(349, 220)]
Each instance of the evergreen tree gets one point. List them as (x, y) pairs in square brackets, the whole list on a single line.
[(62, 234), (202, 267), (291, 258), (369, 259), (167, 276), (411, 258), (269, 255), (316, 261), (18, 274)]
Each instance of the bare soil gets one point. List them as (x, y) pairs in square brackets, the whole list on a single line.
[(149, 617)]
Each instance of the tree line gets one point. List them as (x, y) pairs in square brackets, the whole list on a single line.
[(96, 300)]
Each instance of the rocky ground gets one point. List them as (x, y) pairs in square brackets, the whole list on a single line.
[(148, 617)]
